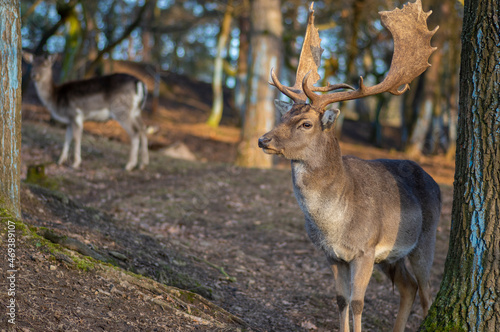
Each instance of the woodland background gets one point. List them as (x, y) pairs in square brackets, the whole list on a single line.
[(209, 41)]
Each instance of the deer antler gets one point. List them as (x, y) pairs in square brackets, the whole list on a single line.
[(309, 61), (412, 50)]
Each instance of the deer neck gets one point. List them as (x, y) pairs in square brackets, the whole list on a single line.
[(319, 177), (46, 90), (324, 168)]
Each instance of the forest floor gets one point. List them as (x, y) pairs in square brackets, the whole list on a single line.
[(182, 245)]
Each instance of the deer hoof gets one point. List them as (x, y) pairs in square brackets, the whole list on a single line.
[(129, 167)]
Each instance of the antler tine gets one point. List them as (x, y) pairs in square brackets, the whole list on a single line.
[(412, 50), (332, 87), (321, 101), (315, 99), (297, 95)]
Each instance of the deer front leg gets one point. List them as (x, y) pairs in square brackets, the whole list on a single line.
[(342, 275), (77, 125), (134, 142), (134, 150), (141, 128), (144, 150), (361, 272), (67, 141)]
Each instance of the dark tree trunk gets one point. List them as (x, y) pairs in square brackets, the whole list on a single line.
[(10, 99), (469, 296)]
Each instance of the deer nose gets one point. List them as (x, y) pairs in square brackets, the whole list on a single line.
[(264, 141)]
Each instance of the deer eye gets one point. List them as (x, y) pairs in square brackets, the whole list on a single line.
[(306, 125)]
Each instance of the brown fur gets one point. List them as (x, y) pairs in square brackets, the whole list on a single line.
[(360, 212), (118, 96)]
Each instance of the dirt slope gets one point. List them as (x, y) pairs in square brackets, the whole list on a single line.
[(234, 236)]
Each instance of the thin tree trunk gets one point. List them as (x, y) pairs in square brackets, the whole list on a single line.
[(64, 10), (376, 135), (30, 10), (125, 34), (453, 60), (410, 109), (265, 53), (431, 95), (430, 108), (10, 99), (452, 132), (242, 70), (421, 128), (358, 7), (468, 299), (218, 102), (72, 48), (147, 34)]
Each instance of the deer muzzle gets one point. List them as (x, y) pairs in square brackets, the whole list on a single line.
[(35, 76), (266, 146)]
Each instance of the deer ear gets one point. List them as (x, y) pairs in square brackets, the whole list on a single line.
[(329, 118), (283, 106), (28, 57), (52, 58)]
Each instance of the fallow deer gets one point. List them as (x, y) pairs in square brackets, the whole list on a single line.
[(361, 212), (119, 96)]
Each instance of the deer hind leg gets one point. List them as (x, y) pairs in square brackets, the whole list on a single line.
[(407, 287), (141, 128), (67, 142), (77, 128), (421, 259), (342, 275), (134, 143)]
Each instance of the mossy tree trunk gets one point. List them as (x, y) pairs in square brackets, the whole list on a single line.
[(265, 53), (469, 298), (10, 99)]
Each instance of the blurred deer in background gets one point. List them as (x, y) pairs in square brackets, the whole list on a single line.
[(361, 212), (119, 96)]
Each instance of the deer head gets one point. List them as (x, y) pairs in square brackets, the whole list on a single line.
[(302, 122), (42, 65)]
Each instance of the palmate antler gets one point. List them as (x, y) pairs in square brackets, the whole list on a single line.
[(309, 61), (412, 50)]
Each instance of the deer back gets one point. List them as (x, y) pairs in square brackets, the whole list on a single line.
[(102, 97)]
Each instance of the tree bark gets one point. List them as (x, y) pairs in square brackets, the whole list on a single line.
[(10, 99), (469, 296), (265, 53)]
